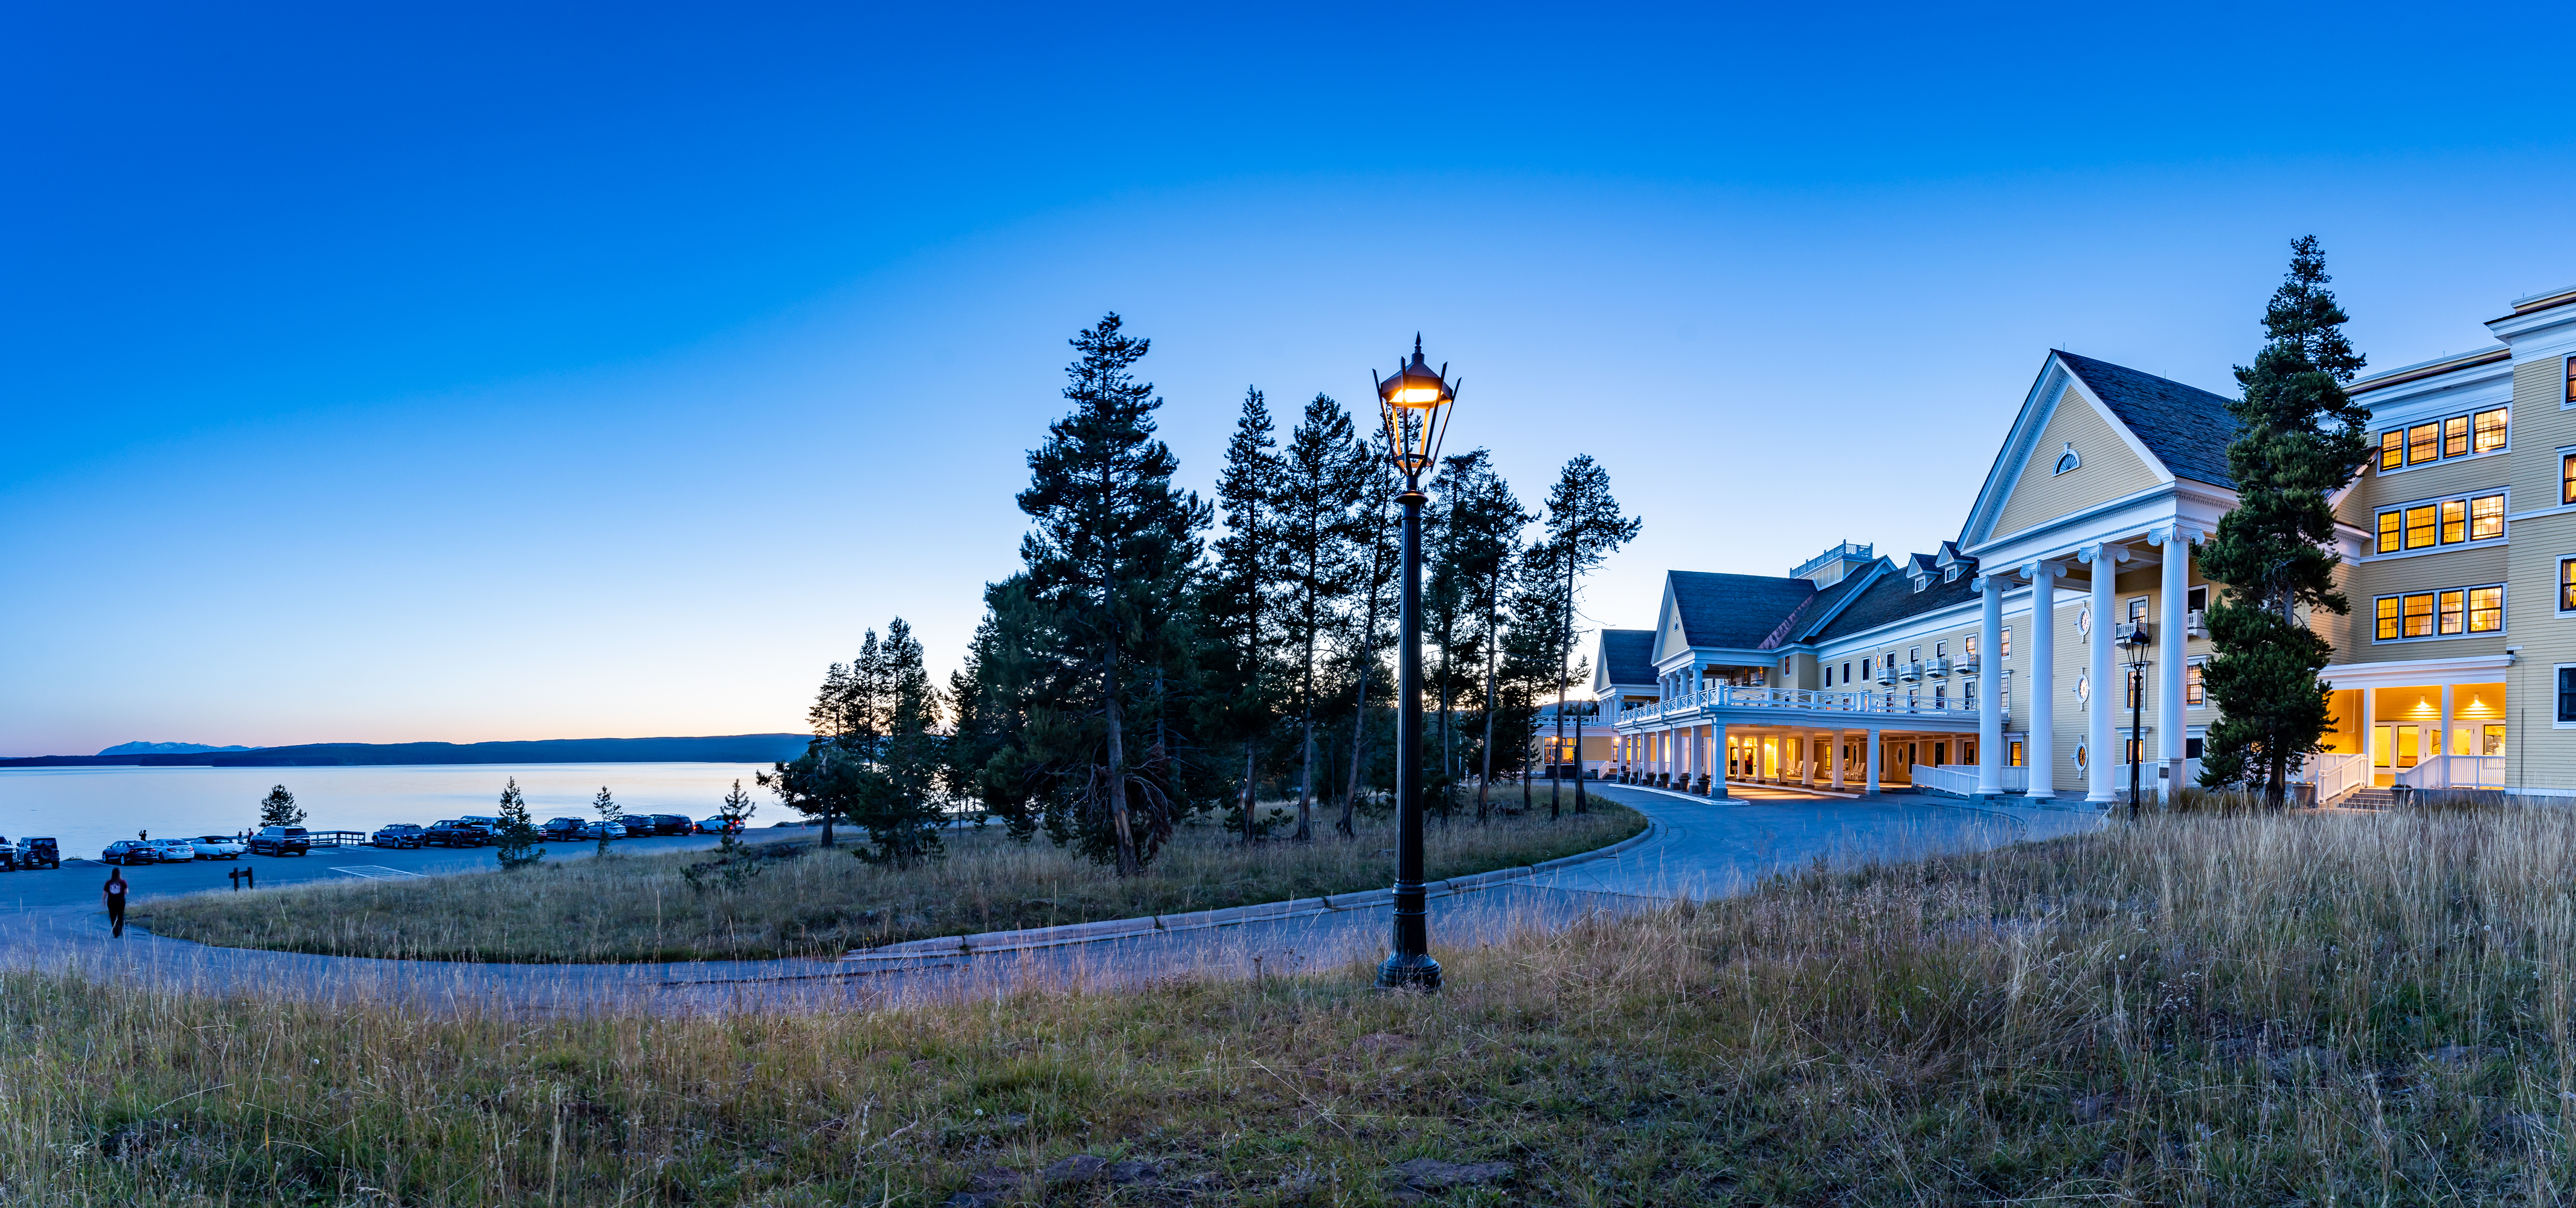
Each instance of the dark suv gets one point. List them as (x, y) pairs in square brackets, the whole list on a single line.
[(38, 853), (449, 832), (565, 829), (399, 835), (281, 841), (662, 824)]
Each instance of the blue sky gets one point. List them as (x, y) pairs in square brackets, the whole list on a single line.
[(475, 373)]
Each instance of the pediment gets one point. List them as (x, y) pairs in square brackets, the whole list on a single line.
[(2066, 451)]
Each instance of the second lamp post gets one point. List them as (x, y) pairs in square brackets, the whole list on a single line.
[(1415, 406)]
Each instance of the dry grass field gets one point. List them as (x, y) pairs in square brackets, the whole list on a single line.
[(2201, 1010), (822, 903)]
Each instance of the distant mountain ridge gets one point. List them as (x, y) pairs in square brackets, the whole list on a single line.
[(728, 748), (166, 748)]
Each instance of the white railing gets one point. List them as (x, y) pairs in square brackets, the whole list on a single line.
[(1808, 699), (2453, 772), (1939, 666), (1955, 781), (2010, 779), (2337, 775)]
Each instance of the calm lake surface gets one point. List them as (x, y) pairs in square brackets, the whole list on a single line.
[(87, 808)]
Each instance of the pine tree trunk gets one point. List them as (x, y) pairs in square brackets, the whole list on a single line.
[(1485, 776), (1127, 863), (1359, 736), (1306, 789), (1249, 786)]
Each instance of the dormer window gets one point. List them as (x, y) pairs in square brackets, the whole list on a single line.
[(2067, 460), (1951, 575)]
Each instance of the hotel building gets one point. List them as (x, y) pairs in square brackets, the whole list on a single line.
[(1993, 665)]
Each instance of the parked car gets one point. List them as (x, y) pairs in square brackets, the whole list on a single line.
[(8, 855), (603, 830), (131, 851), (453, 832), (398, 835), (491, 826), (718, 825), (281, 841), (662, 824), (177, 851), (38, 853), (218, 847), (561, 828)]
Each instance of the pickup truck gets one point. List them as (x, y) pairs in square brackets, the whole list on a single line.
[(281, 841)]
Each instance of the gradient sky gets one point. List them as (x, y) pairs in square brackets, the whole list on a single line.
[(480, 372)]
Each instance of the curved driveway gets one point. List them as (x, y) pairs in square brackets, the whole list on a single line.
[(1701, 849)]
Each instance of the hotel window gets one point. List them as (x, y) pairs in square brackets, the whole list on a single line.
[(2138, 608), (1968, 646), (2486, 518), (2571, 382), (2443, 522), (2567, 479), (2195, 693), (2132, 687), (1940, 696), (2423, 444), (2455, 436), (2566, 695), (2567, 585), (1940, 650), (2006, 650), (1864, 670), (2449, 612), (2491, 428), (2016, 753), (1913, 654), (2197, 599), (2392, 449)]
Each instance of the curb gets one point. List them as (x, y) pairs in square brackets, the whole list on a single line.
[(1027, 939)]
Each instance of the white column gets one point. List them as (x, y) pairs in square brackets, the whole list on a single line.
[(1807, 758), (1834, 755), (2102, 777), (1869, 786), (2447, 752), (2041, 700), (1990, 692), (2172, 654), (1717, 761)]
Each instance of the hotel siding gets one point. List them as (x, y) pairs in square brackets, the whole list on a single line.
[(2470, 679)]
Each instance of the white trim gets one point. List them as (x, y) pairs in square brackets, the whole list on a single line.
[(2407, 673), (2452, 548), (2555, 721)]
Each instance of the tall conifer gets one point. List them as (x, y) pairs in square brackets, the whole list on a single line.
[(1240, 593), (2299, 439), (1316, 501), (1584, 526)]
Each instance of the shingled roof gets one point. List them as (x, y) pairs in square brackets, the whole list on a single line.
[(1628, 655), (1738, 611), (2186, 427), (1892, 598)]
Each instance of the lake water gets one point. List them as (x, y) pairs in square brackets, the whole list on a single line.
[(87, 808)]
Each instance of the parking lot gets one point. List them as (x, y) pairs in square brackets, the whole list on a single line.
[(76, 883)]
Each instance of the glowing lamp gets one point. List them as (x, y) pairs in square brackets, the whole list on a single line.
[(1415, 405)]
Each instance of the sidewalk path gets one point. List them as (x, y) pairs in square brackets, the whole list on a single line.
[(1701, 849)]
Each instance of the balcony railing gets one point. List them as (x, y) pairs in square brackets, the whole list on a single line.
[(1801, 699), (1909, 671), (1937, 667), (1967, 665)]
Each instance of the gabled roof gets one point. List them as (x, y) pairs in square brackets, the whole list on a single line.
[(1820, 608), (2186, 427), (1733, 611), (1628, 656), (1892, 598)]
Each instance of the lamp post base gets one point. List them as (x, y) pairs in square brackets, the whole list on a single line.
[(1415, 972)]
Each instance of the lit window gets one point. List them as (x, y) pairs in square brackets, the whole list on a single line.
[(2419, 616), (2420, 526), (2423, 444), (2567, 585), (1968, 645), (2138, 609), (2455, 521), (2079, 757), (2130, 693), (2455, 436), (2450, 619), (2567, 479), (2392, 449), (2486, 518), (2006, 651), (2491, 430), (2571, 380), (2392, 531), (2486, 609), (2388, 631), (2084, 688), (2195, 693)]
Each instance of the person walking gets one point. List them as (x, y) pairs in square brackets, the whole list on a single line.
[(115, 891)]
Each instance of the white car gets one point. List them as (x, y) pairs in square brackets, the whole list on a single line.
[(175, 851), (218, 847)]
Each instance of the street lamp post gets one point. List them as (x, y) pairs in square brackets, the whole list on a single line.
[(2136, 639), (1415, 405)]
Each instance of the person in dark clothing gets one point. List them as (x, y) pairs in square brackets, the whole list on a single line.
[(115, 891)]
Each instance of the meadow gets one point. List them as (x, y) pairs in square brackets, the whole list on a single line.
[(794, 899), (2194, 1009)]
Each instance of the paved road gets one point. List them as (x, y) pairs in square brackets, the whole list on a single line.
[(1702, 849)]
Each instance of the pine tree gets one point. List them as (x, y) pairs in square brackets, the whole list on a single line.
[(278, 809), (1584, 526), (1238, 607), (610, 814), (1379, 558), (518, 846), (898, 800), (1531, 648), (1111, 562), (1316, 501), (2299, 439), (1483, 541)]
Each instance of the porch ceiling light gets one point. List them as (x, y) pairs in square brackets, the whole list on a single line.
[(1415, 405)]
